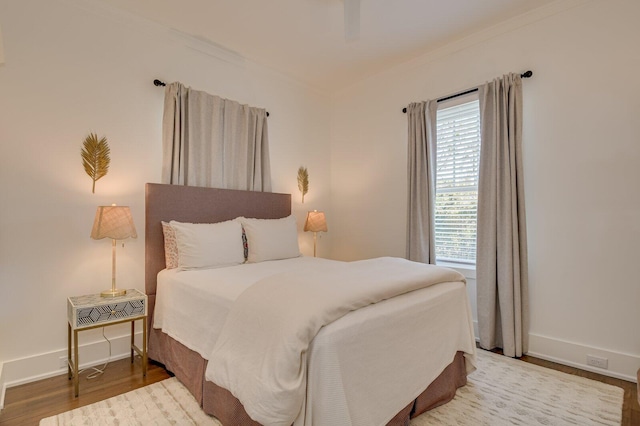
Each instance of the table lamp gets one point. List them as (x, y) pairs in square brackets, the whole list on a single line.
[(113, 222), (316, 222)]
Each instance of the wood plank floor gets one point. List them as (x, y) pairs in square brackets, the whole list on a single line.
[(630, 407), (26, 404)]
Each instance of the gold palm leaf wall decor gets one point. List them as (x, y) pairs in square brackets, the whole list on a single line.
[(303, 181), (95, 157)]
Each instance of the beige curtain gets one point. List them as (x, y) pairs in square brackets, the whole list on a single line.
[(501, 266), (422, 181), (213, 142)]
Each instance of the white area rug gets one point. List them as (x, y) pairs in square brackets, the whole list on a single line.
[(503, 391)]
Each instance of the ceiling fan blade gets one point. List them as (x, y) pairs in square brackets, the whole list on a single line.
[(351, 19)]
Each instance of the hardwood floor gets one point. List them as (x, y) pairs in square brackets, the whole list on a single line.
[(26, 404), (630, 407)]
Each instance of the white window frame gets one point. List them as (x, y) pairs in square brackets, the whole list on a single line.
[(466, 264)]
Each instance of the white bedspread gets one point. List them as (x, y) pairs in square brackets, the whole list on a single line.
[(261, 354), (191, 306), (368, 365)]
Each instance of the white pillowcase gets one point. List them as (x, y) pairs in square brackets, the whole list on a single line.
[(209, 245), (271, 239)]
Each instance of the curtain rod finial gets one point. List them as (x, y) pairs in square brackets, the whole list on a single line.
[(158, 83), (526, 74)]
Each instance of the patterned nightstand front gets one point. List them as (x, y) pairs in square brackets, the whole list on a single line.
[(92, 309)]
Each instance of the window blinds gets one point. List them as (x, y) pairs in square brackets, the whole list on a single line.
[(457, 162)]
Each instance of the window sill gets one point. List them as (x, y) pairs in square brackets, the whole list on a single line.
[(469, 271)]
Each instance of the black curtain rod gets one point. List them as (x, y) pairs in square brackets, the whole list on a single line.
[(159, 83), (525, 74)]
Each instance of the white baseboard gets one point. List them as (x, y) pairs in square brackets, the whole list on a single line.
[(37, 367), (621, 365)]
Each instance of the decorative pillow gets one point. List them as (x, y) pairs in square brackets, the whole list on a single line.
[(271, 239), (170, 246), (245, 245), (209, 245)]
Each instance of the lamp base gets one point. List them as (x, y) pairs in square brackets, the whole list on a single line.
[(113, 293)]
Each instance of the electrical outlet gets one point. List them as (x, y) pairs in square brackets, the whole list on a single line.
[(63, 362), (596, 361)]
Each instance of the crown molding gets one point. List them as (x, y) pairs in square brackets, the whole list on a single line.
[(207, 47), (119, 16), (155, 30), (496, 30), (459, 43)]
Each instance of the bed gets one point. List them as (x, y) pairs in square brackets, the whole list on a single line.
[(353, 364)]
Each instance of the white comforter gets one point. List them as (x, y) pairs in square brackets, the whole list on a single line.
[(262, 351), (192, 305)]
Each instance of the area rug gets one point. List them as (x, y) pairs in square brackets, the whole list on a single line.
[(502, 391)]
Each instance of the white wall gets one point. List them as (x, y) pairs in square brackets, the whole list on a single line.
[(581, 161), (74, 67)]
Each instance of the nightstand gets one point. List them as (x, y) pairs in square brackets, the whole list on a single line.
[(93, 311)]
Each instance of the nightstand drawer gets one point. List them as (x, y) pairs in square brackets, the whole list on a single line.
[(93, 310)]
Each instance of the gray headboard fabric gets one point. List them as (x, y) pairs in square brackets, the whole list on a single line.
[(198, 205)]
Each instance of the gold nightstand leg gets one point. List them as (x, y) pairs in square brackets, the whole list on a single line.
[(69, 350), (144, 347), (76, 379), (141, 350)]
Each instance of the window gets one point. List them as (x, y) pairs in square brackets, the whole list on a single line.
[(457, 163)]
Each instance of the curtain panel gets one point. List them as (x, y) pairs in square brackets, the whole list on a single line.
[(214, 142), (501, 265), (421, 181)]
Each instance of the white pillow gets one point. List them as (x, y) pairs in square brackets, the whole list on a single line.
[(271, 239), (209, 245)]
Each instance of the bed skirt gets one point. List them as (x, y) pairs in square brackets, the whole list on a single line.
[(189, 367)]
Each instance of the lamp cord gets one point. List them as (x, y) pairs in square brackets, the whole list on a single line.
[(98, 371)]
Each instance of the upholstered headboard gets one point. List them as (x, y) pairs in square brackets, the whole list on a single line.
[(198, 205)]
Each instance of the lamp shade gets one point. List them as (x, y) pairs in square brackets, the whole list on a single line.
[(316, 222), (113, 222)]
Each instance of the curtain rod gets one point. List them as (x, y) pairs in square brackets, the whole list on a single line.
[(525, 74), (159, 83)]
